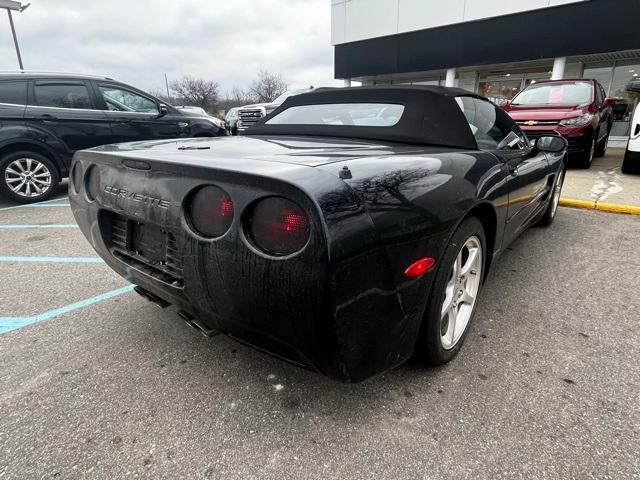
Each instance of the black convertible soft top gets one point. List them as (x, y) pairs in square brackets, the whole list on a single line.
[(431, 115)]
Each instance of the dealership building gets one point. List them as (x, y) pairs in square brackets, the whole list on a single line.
[(492, 47)]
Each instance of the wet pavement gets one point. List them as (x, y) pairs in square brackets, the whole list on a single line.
[(603, 182), (98, 383)]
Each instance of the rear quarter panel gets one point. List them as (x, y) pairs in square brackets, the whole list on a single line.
[(414, 203)]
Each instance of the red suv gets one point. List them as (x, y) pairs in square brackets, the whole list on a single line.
[(577, 109)]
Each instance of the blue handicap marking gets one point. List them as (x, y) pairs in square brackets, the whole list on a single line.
[(51, 259), (61, 202), (8, 324), (27, 226)]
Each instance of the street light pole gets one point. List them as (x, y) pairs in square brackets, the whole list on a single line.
[(10, 5), (15, 39)]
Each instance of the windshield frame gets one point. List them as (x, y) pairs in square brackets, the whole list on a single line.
[(279, 100)]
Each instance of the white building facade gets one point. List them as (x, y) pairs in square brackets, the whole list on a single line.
[(492, 47)]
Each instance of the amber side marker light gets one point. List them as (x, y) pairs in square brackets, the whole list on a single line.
[(420, 267)]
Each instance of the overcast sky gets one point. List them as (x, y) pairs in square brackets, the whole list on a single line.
[(137, 41)]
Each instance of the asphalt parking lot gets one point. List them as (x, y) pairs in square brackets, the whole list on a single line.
[(98, 383)]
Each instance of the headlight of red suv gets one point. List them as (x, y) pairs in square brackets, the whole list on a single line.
[(577, 121)]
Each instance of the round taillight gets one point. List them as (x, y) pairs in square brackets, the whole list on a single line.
[(92, 183), (279, 226), (211, 211), (76, 177)]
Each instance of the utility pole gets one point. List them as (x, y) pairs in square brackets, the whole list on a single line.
[(10, 5), (166, 83)]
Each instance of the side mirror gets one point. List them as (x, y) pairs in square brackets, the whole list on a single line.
[(163, 111), (504, 104), (609, 102), (551, 144)]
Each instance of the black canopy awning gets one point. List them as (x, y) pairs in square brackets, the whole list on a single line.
[(578, 28)]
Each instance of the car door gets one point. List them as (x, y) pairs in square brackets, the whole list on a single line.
[(606, 113), (527, 170), (13, 101), (529, 174), (600, 111), (134, 116), (63, 111)]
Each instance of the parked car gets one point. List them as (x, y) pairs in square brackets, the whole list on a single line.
[(631, 163), (576, 109), (249, 115), (351, 229), (202, 113), (46, 117), (231, 119), (190, 109)]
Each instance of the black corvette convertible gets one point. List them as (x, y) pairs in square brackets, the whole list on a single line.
[(347, 231)]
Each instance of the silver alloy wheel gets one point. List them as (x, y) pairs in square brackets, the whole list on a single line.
[(28, 177), (461, 293), (557, 191)]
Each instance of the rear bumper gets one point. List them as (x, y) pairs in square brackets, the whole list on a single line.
[(304, 308), (276, 305)]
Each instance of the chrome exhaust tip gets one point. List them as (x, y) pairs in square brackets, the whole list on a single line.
[(147, 295), (196, 324)]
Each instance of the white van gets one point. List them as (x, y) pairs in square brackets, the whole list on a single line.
[(631, 162)]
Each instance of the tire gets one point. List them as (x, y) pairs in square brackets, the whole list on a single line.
[(435, 347), (554, 200), (601, 149), (43, 176), (631, 163), (586, 159)]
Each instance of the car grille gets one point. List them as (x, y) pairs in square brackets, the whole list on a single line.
[(539, 133), (574, 145), (249, 117), (543, 123), (117, 231)]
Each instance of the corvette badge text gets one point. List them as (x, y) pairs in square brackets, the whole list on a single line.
[(137, 197)]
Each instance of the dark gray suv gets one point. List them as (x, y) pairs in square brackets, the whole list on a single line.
[(46, 117)]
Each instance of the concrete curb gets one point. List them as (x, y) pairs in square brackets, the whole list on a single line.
[(602, 207)]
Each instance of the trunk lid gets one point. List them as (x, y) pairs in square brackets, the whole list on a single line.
[(209, 152)]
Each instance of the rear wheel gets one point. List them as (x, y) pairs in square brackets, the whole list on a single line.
[(456, 289), (601, 149), (550, 213), (586, 159), (28, 177)]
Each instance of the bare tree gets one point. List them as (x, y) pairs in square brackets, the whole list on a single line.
[(237, 98), (161, 95), (196, 92), (267, 86), (242, 96)]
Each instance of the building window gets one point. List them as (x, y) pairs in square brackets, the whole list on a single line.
[(499, 91), (625, 101), (601, 72)]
